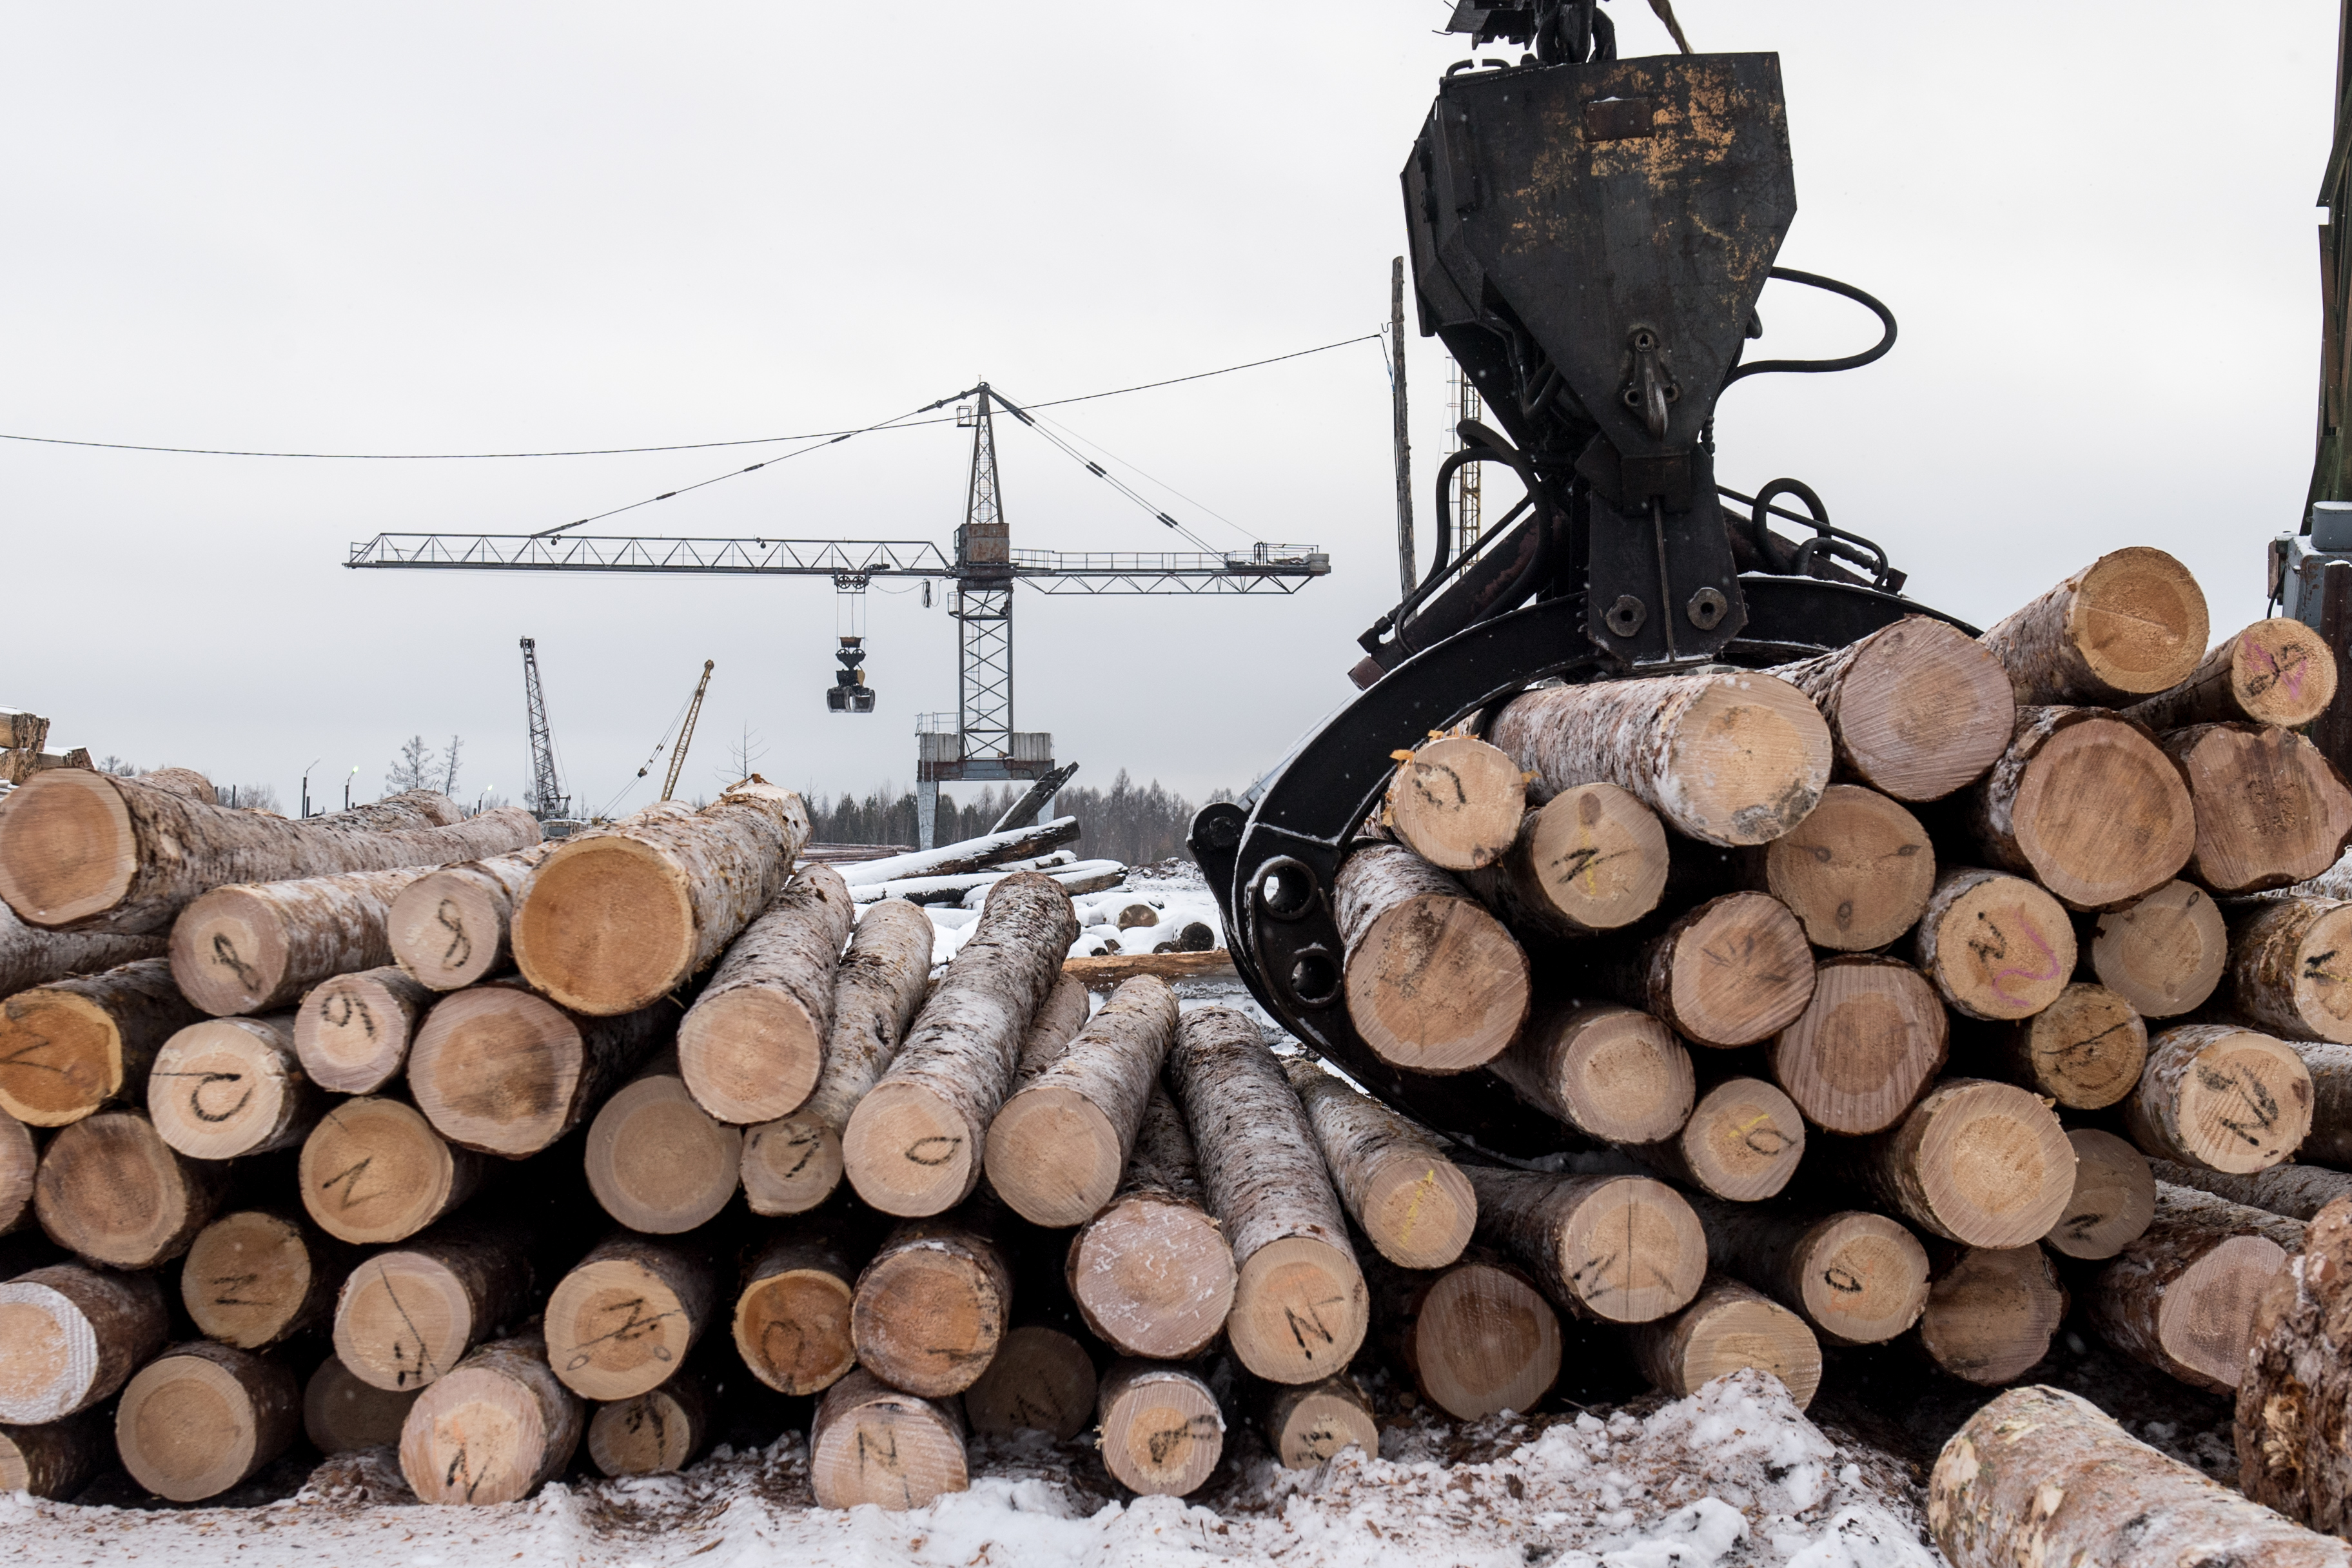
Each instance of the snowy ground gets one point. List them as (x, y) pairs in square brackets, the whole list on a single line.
[(1172, 891)]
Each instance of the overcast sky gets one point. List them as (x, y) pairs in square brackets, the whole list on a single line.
[(432, 228)]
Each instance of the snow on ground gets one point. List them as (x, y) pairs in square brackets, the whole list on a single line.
[(1172, 889), (1734, 1476)]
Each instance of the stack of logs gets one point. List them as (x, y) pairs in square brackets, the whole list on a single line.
[(387, 1128)]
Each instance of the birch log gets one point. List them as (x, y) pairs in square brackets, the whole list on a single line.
[(94, 852), (1477, 1336), (1918, 709), (793, 1163), (70, 1048), (57, 1460), (2084, 1050), (452, 927), (1996, 946), (202, 1417), (1743, 1142), (2181, 1299), (257, 947), (1728, 1327), (74, 1336), (2276, 671), (791, 1315), (1394, 1181), (965, 855), (1992, 1312), (258, 1276), (1608, 1072), (2292, 1453), (503, 1071), (31, 956), (2114, 1200), (1871, 1039), (871, 1443), (2220, 1096), (752, 1046), (1856, 872), (1726, 759), (1162, 1432), (616, 917), (622, 1319), (2288, 969), (407, 1316), (934, 1303), (374, 1171), (1733, 971), (1299, 1304), (2088, 805), (1058, 1146), (112, 1191), (1623, 1249), (2165, 953), (1592, 858), (1858, 1278), (2131, 623), (352, 1032), (2297, 1192), (1456, 801), (915, 1144), (226, 1088), (1153, 1274), (2272, 810), (1982, 1163), (496, 1427), (1434, 982), (658, 1162)]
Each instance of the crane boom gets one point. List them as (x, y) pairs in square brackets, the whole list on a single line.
[(548, 798), (686, 732)]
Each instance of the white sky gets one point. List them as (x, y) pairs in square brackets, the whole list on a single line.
[(438, 227)]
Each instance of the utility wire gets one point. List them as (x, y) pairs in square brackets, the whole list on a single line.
[(1121, 486)]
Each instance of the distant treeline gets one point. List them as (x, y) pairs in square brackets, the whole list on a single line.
[(1134, 822)]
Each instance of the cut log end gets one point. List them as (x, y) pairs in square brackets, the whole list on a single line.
[(753, 1054), (1867, 1043), (2271, 809), (792, 1329), (1418, 1211), (1153, 1276), (1747, 763), (62, 1057), (1856, 872), (68, 849), (503, 1071), (1436, 985), (2136, 619), (20, 1160), (373, 1172), (2164, 954), (492, 1430), (57, 1460), (1633, 1251), (1162, 1432), (1743, 1142), (654, 1434), (2114, 1197), (341, 1413), (2100, 814), (1301, 1309), (352, 1032), (1612, 1073), (228, 1087), (909, 1150), (1312, 1423), (871, 1443), (1991, 1314), (1864, 1278), (253, 1278), (1996, 946), (449, 929), (2207, 1319), (1054, 1155), (2285, 972), (1986, 1165), (656, 1159), (403, 1319), (2084, 1050), (1456, 803), (71, 1336), (1923, 710), (1730, 1327), (929, 1312), (2221, 1098), (1595, 857), (790, 1165), (1739, 971), (111, 1189), (607, 926), (621, 1322), (201, 1418), (2280, 672), (231, 951), (1484, 1340), (1040, 1380)]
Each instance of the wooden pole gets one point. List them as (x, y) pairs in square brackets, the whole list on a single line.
[(872, 1443), (2114, 1200), (2088, 805), (2220, 1096), (1057, 1147), (70, 1048), (231, 1087), (1978, 1162), (1856, 873), (1456, 801), (1161, 1430), (1996, 946), (75, 1336), (1871, 1039), (2276, 671), (499, 1069), (406, 1317), (373, 1172), (494, 1430), (1734, 971), (1621, 1249), (934, 1303), (1991, 1312), (112, 1190), (352, 1032), (1593, 859), (2165, 953), (1397, 1185), (1728, 1327), (791, 1315), (1434, 984), (257, 1277), (656, 1160), (1607, 1073), (2181, 1298), (2131, 624), (752, 1046), (625, 1316), (2284, 973), (202, 1417), (1918, 709), (1153, 1275), (1743, 1142), (451, 927)]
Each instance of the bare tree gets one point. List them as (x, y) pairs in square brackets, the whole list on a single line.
[(263, 796), (743, 755), (449, 766), (413, 770), (110, 764)]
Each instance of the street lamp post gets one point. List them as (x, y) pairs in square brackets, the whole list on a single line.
[(306, 784)]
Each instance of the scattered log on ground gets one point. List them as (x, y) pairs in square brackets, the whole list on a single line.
[(933, 1304), (1478, 1338), (871, 1443), (1859, 1278), (20, 1159), (2129, 624), (1726, 759), (616, 917), (1733, 971), (258, 947), (1996, 946), (791, 1315), (2271, 809), (625, 1316), (494, 1430), (1978, 1162), (965, 855), (2041, 1476), (2088, 805), (1299, 1304), (230, 1087), (1396, 1184), (1153, 1275), (1742, 1141), (916, 1143), (202, 1417), (1871, 1039), (503, 1071), (792, 1165), (2276, 671), (2114, 1197), (57, 1460), (352, 1032), (1161, 1430), (1308, 1423), (1075, 878), (2297, 1192), (2165, 953), (1058, 1148), (1728, 1326), (658, 1161), (451, 927), (1434, 984), (2084, 1050), (2181, 1298), (31, 956), (1592, 858), (112, 1190), (1918, 709), (70, 1048), (1040, 1380), (373, 1172), (656, 1433), (2290, 1431), (752, 1046), (2220, 1096), (405, 1317), (70, 1335), (2283, 972), (257, 1277), (341, 1413), (94, 852), (1623, 1249), (1856, 873), (1609, 1072), (1456, 801), (1109, 970), (1992, 1312)]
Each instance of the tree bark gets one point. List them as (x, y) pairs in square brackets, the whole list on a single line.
[(1610, 1073), (916, 1143), (1982, 1163), (2285, 969), (1593, 859), (2271, 810), (352, 1032), (617, 916), (623, 1319), (1871, 1039), (494, 1430), (230, 1087), (77, 1334), (31, 956), (406, 1317), (2084, 1050), (503, 1071), (2087, 804), (969, 891), (112, 1190), (1040, 1380), (1051, 1030), (1456, 801), (2290, 1431), (658, 1162), (1733, 971), (1917, 709), (1858, 1278), (57, 1460), (1856, 873), (1162, 1432), (2296, 1192), (2129, 624), (256, 948), (1299, 1306), (374, 1171), (2164, 954), (2330, 1141), (752, 1046), (1434, 984), (966, 855), (203, 1417), (1057, 1149), (20, 1158), (453, 927), (1621, 1249), (1306, 1424), (258, 1276), (1478, 1338), (791, 1315), (793, 1163), (1991, 1312), (2114, 1199), (74, 1047), (1396, 1184), (92, 852), (1153, 1275), (657, 1433), (2220, 1096), (1726, 1328), (1743, 1142), (343, 1413), (1996, 946), (2276, 671), (2181, 1299), (871, 1443), (183, 781), (1726, 759), (934, 1303)]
